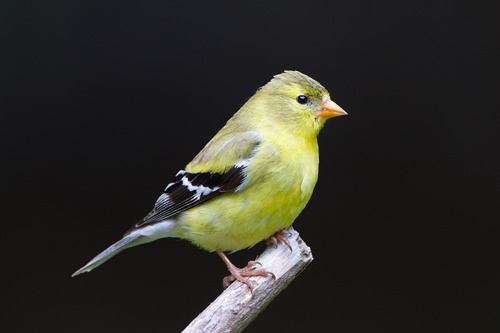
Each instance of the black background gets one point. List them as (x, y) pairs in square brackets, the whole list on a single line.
[(102, 103)]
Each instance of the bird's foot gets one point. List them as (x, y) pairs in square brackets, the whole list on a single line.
[(242, 274), (282, 236)]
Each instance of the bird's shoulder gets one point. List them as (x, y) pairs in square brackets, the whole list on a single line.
[(231, 146)]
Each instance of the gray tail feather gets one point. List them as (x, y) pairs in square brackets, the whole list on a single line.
[(124, 243)]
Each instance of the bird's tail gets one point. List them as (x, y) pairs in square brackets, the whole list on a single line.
[(124, 243), (133, 237)]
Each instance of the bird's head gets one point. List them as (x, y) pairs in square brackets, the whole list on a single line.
[(296, 98)]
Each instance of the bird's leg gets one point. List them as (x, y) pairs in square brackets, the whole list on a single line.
[(241, 274), (282, 236)]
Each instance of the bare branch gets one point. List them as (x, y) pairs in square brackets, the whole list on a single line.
[(236, 307)]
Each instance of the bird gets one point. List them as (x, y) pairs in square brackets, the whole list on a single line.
[(249, 183)]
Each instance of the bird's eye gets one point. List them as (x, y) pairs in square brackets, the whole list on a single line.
[(302, 99)]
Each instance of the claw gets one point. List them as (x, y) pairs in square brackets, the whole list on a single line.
[(282, 236), (241, 274)]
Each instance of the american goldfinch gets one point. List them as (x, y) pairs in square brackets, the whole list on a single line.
[(249, 183)]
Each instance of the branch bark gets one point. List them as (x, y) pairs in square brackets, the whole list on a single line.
[(236, 307)]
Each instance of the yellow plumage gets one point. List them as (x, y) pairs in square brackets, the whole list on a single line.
[(251, 180)]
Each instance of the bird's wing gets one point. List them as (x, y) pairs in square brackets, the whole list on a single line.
[(198, 183)]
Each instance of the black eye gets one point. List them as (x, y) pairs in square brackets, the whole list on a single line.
[(302, 99)]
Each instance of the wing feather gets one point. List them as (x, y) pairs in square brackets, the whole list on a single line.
[(191, 188)]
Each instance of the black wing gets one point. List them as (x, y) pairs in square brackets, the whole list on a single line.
[(189, 190)]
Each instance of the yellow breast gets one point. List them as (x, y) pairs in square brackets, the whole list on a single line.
[(280, 182)]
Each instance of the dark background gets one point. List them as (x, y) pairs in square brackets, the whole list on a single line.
[(101, 104)]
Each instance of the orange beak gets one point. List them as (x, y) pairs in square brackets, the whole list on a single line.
[(329, 109)]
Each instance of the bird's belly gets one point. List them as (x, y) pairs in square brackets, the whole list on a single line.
[(242, 219)]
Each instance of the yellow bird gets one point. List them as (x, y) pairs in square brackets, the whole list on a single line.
[(249, 183)]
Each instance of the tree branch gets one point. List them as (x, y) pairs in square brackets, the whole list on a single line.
[(236, 307)]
